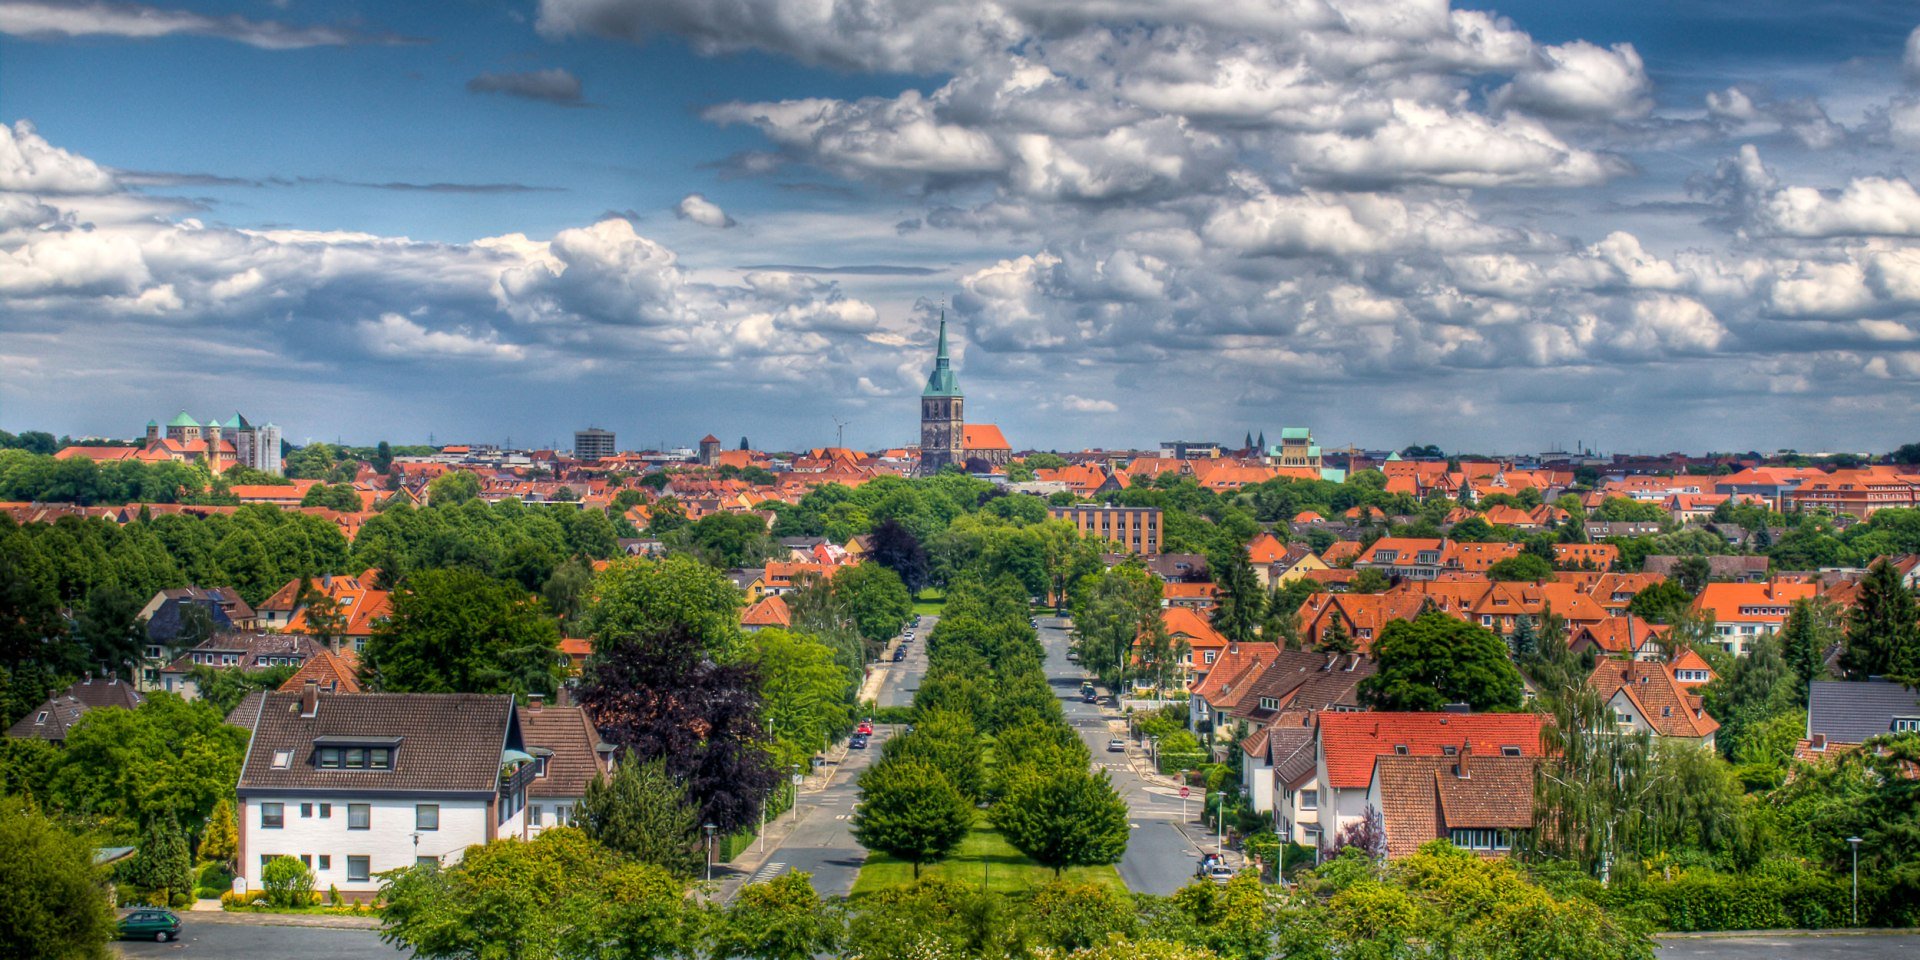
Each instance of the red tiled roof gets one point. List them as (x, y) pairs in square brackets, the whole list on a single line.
[(771, 611), (983, 436), (1351, 741), (1663, 701)]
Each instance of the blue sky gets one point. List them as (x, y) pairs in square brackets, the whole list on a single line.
[(1495, 226)]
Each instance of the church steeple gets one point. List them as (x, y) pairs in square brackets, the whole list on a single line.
[(941, 382)]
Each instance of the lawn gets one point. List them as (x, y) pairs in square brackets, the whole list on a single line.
[(930, 601), (983, 852)]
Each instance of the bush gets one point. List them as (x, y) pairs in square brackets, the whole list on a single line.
[(1784, 897), (214, 879), (288, 883)]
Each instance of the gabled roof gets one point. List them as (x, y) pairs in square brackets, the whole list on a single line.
[(983, 436), (1299, 681), (771, 611), (57, 714), (571, 746), (1850, 711), (1667, 705), (1266, 548), (1182, 622), (1229, 679), (334, 672), (444, 742), (1351, 741), (1726, 600), (1424, 797)]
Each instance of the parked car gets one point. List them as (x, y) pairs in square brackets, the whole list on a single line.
[(1073, 656), (150, 924), (1217, 871), (857, 742), (899, 654), (865, 728), (1116, 745)]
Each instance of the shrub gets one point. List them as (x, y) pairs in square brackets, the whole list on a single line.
[(288, 883), (333, 894), (214, 879)]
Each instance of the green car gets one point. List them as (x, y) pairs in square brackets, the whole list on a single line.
[(150, 924)]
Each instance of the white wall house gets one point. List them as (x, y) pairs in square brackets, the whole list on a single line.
[(355, 785), (569, 755)]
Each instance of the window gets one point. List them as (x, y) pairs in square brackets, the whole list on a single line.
[(1210, 655), (1481, 839), (326, 811), (306, 810), (356, 757), (272, 816), (1622, 717), (533, 815), (357, 869), (563, 816), (1906, 724), (42, 718), (326, 862), (329, 757), (426, 816), (1400, 749), (267, 858), (306, 860), (1449, 750), (426, 861), (282, 759), (1309, 799), (380, 758), (357, 816), (1509, 751), (359, 644)]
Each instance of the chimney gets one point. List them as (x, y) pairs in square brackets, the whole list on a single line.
[(535, 701), (1460, 767), (310, 698)]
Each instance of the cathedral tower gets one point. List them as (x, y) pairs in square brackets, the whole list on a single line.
[(942, 421)]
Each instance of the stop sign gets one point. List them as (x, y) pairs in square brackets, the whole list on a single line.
[(1184, 792)]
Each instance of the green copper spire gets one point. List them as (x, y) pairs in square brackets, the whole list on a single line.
[(942, 383)]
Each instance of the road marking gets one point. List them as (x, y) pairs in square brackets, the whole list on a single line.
[(767, 872)]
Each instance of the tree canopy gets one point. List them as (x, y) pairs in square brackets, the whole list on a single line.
[(1435, 659)]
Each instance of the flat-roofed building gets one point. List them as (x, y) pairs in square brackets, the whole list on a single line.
[(1136, 529), (593, 443)]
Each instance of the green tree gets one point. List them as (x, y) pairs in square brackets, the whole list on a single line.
[(161, 866), (944, 740), (638, 596), (220, 840), (805, 694), (1524, 567), (568, 590), (1692, 573), (287, 882), (782, 919), (1066, 818), (1369, 581), (643, 813), (1242, 602), (1064, 915), (910, 811), (166, 758), (1814, 626), (1110, 610), (1334, 637), (1433, 660), (1882, 636), (453, 488), (875, 598), (54, 907), (1660, 603), (458, 631)]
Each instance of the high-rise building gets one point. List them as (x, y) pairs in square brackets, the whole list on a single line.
[(593, 443), (1136, 529), (942, 413)]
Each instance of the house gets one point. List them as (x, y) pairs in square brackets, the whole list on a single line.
[(1347, 744), (170, 623), (1648, 696), (354, 785), (1604, 529), (358, 607), (1855, 493), (1585, 556), (1226, 684), (771, 611), (1408, 558), (568, 754), (576, 650), (1278, 776), (1744, 611), (246, 652), (1203, 644), (51, 720), (1479, 803), (1341, 553), (1849, 712), (1298, 561), (1478, 557), (1619, 637), (1201, 598), (334, 672)]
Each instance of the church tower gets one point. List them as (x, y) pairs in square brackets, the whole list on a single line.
[(942, 421)]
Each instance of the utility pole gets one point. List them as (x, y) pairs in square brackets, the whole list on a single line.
[(1854, 842)]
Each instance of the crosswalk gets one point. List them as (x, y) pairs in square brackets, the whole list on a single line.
[(767, 872)]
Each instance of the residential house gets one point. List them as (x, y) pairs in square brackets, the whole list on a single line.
[(1297, 561), (1341, 553), (576, 650), (1478, 557), (1648, 696), (1479, 803), (1404, 557), (170, 623), (1347, 744), (1620, 636), (1719, 567), (1604, 529), (1847, 713), (333, 672), (1201, 598), (568, 754), (1225, 685), (1856, 493), (771, 611), (1743, 611), (245, 652), (1200, 643), (354, 785), (1278, 775), (1362, 615), (1585, 556), (358, 606), (51, 720)]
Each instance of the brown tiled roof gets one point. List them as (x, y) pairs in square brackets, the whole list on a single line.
[(1423, 798), (447, 742), (1665, 702), (52, 719), (335, 672), (1302, 680), (252, 649), (575, 758)]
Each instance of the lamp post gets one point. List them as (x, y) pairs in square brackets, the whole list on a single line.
[(709, 828), (1854, 842), (1153, 744), (795, 781)]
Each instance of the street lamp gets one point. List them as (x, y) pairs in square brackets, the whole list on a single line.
[(1154, 743), (1854, 842), (709, 828), (794, 780)]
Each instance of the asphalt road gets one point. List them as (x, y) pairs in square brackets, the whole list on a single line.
[(251, 941), (1793, 947), (1159, 858)]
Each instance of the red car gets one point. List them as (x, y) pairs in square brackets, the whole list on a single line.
[(865, 728)]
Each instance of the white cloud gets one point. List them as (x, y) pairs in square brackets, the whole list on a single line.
[(28, 18), (29, 164), (396, 337), (1583, 81), (1912, 59), (1333, 224), (1078, 404), (553, 85), (702, 211), (1425, 143)]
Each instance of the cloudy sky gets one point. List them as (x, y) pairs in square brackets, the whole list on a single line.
[(1642, 226)]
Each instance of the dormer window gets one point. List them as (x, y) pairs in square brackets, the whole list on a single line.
[(333, 753), (40, 718), (1449, 750)]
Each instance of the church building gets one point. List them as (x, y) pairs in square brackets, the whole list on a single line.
[(945, 436)]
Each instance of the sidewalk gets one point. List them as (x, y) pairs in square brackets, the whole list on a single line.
[(198, 913)]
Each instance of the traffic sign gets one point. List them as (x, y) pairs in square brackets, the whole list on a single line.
[(1184, 792)]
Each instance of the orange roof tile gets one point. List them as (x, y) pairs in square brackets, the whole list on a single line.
[(1351, 741)]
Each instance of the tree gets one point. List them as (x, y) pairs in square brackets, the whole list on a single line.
[(639, 597), (1524, 567), (945, 740), (110, 625), (1067, 818), (453, 488), (1814, 626), (1110, 611), (568, 589), (1751, 690), (782, 919), (1660, 603), (1369, 581), (805, 695), (458, 631), (1692, 573), (53, 908), (895, 547), (1882, 639), (1433, 660), (1242, 603), (161, 866), (661, 696), (166, 758), (1335, 638), (220, 840), (1525, 641), (875, 598), (643, 813), (910, 811)]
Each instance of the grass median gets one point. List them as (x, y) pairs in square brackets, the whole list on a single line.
[(983, 854)]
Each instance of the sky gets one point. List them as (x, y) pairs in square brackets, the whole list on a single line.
[(1501, 228)]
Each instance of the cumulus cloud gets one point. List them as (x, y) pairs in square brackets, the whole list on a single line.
[(29, 164), (1078, 404), (42, 20), (1912, 59), (554, 85), (1584, 81), (1864, 206), (396, 337), (702, 211), (1426, 143)]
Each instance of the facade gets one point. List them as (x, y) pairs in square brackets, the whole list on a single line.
[(1347, 744), (1479, 804), (246, 652), (238, 442), (1297, 448), (1743, 612), (983, 442), (709, 451), (593, 443), (1136, 529), (943, 429), (1651, 697), (354, 785)]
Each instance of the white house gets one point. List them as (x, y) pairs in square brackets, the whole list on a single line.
[(357, 784), (568, 754)]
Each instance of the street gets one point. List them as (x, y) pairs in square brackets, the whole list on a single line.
[(1792, 946), (225, 938)]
